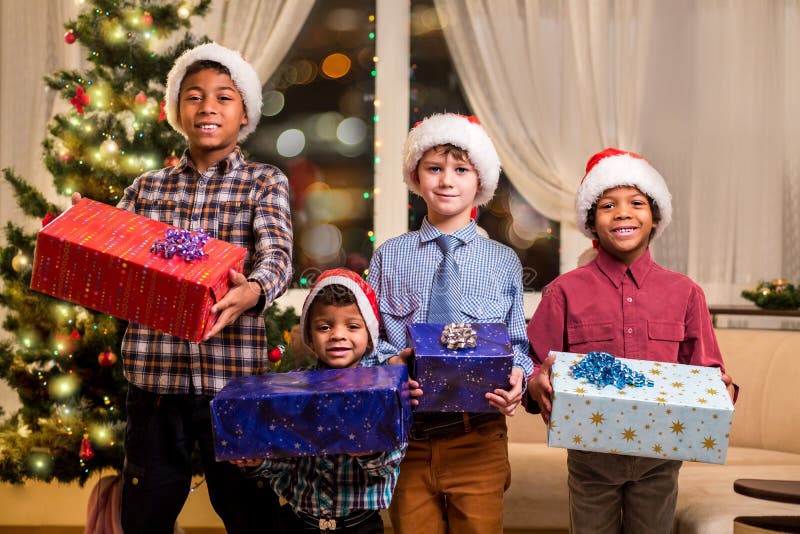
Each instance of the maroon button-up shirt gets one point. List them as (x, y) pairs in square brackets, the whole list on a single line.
[(643, 311)]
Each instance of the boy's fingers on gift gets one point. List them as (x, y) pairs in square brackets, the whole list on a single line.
[(75, 198)]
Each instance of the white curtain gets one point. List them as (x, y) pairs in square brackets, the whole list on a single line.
[(707, 91), (32, 45)]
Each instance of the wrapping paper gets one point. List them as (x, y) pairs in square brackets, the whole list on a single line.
[(312, 413), (685, 415)]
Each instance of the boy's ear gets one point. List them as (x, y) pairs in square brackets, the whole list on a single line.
[(415, 175)]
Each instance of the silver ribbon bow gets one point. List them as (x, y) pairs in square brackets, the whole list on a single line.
[(459, 336)]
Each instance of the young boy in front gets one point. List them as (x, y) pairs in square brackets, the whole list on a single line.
[(456, 468), (341, 493), (625, 304), (213, 98)]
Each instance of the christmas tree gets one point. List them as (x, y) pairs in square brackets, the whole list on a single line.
[(62, 359)]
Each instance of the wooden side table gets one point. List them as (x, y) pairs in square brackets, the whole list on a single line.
[(770, 490)]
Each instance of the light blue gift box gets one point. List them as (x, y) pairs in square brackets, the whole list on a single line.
[(686, 415)]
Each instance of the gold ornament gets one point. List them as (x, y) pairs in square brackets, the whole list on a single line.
[(20, 263)]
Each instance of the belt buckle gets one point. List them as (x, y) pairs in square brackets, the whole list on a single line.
[(327, 524)]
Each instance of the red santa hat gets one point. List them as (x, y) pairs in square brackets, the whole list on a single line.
[(243, 75), (366, 300), (614, 168), (459, 130)]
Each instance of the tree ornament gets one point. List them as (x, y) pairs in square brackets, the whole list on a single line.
[(276, 353), (47, 218), (79, 100), (75, 335), (70, 37), (107, 358), (147, 18), (109, 147), (162, 114), (171, 161), (140, 98), (86, 453), (20, 263), (183, 11)]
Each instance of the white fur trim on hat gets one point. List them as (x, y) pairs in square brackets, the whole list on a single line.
[(365, 299), (614, 168), (242, 74), (463, 132)]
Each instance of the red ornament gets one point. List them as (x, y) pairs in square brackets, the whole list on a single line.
[(140, 98), (86, 453), (147, 18), (70, 37), (106, 359), (276, 353), (171, 161), (75, 335), (47, 218), (163, 114), (79, 100)]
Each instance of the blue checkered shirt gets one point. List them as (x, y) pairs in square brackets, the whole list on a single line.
[(241, 202), (336, 485), (402, 271)]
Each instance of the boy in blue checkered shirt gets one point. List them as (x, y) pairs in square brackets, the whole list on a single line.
[(456, 467), (342, 492)]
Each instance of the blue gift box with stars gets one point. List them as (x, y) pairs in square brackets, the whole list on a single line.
[(678, 412), (312, 413), (457, 379)]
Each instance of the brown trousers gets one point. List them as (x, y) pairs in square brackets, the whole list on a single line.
[(613, 494), (455, 484)]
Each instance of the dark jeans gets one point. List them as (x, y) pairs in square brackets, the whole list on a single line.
[(161, 434)]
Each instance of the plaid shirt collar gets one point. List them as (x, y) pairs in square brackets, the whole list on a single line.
[(234, 160), (428, 232)]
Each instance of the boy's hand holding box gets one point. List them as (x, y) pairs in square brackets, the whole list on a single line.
[(685, 415), (100, 257), (457, 379), (312, 413)]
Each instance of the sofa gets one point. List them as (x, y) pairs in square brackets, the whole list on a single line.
[(764, 443)]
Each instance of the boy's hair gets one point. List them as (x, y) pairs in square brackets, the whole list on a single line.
[(458, 131), (654, 210), (457, 152), (341, 287), (213, 56)]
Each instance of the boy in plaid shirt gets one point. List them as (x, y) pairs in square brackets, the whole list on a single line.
[(213, 98)]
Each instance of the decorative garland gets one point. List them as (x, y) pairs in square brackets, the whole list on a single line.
[(775, 295)]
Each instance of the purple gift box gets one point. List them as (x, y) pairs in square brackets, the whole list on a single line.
[(312, 413), (457, 380)]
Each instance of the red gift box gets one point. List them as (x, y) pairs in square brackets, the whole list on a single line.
[(99, 256)]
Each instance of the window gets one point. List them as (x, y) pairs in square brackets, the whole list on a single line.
[(317, 127)]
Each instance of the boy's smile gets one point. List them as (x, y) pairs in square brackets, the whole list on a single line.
[(339, 335), (211, 113), (623, 223), (449, 186)]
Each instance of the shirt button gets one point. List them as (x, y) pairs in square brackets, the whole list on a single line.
[(135, 481), (260, 484), (195, 217), (201, 183), (630, 330), (629, 299)]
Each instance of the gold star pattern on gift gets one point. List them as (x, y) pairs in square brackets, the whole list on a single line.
[(661, 400), (655, 371), (695, 371), (629, 434), (677, 427), (580, 391), (657, 448), (709, 443), (711, 391), (701, 400), (577, 440), (677, 385), (598, 419)]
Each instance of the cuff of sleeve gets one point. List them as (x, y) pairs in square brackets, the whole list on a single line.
[(260, 306)]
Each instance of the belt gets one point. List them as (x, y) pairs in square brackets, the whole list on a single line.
[(333, 523), (448, 424)]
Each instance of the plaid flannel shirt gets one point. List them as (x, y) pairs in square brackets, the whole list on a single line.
[(335, 485), (243, 203)]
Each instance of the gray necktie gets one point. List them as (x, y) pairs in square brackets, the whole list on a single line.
[(445, 305)]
